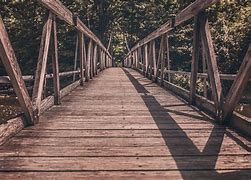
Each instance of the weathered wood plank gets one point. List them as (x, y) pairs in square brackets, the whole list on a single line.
[(195, 59), (214, 75), (42, 62), (55, 66), (10, 63), (81, 56), (238, 86)]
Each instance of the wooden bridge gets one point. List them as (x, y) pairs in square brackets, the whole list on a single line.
[(129, 122)]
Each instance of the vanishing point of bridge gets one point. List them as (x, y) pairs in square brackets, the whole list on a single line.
[(129, 122)]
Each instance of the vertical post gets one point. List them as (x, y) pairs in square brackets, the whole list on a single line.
[(168, 58), (95, 59), (81, 56), (75, 59), (195, 60), (205, 78), (163, 64), (55, 68), (154, 62), (87, 78), (151, 59), (146, 60)]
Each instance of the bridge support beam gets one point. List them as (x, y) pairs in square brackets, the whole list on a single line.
[(55, 67), (10, 63)]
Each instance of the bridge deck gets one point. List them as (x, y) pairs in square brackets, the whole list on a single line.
[(123, 125)]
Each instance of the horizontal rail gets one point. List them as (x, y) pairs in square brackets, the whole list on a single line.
[(6, 79), (203, 75)]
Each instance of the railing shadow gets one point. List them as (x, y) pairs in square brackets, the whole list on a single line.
[(185, 153)]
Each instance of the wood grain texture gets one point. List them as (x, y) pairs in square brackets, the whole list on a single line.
[(10, 63), (238, 86), (213, 71), (42, 63), (127, 127)]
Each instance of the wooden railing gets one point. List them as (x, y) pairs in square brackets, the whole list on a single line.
[(92, 59), (143, 57)]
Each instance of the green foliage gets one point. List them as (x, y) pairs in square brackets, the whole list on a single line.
[(131, 20)]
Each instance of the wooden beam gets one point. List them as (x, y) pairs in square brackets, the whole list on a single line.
[(95, 59), (42, 62), (163, 62), (154, 61), (146, 60), (160, 56), (10, 63), (168, 57), (195, 60), (87, 78), (81, 56), (214, 75), (150, 59), (55, 67), (238, 86)]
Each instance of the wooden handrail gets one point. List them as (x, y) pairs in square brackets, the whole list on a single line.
[(34, 107), (202, 47)]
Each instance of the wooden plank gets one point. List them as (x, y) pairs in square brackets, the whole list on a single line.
[(196, 175), (47, 103), (238, 86), (10, 128), (10, 63), (130, 163), (65, 91), (195, 60), (55, 66), (42, 62), (214, 76), (81, 56)]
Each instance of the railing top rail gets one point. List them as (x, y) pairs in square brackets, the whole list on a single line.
[(186, 14), (57, 8)]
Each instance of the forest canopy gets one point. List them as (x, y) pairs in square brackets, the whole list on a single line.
[(130, 21)]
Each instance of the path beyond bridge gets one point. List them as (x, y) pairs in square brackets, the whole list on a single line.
[(121, 125)]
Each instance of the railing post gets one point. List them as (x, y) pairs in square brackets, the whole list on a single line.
[(168, 57), (162, 60), (195, 60), (88, 60), (146, 60), (81, 56), (154, 62), (95, 59), (55, 68)]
